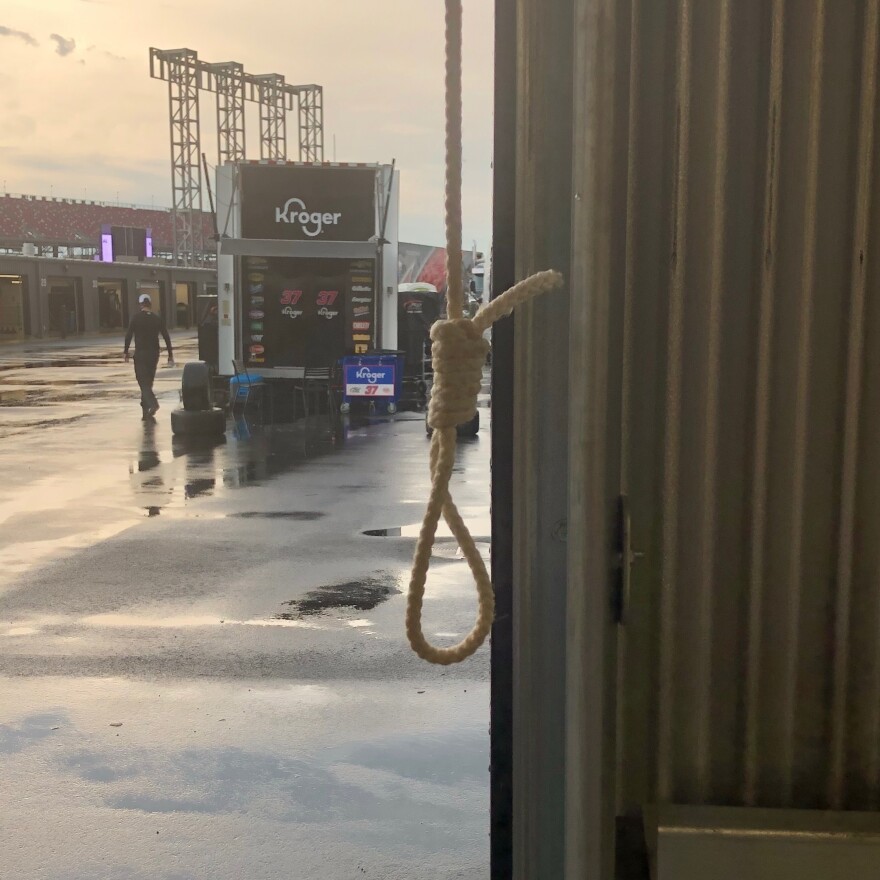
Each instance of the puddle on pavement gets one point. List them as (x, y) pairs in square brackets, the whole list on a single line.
[(445, 545), (104, 360), (59, 382), (246, 456), (363, 595), (412, 531), (297, 515), (451, 550)]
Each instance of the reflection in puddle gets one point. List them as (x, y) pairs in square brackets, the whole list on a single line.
[(204, 467), (445, 545), (360, 595), (188, 621), (412, 531), (298, 515), (200, 488), (451, 550)]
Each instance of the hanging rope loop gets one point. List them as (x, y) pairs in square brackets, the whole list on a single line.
[(458, 355)]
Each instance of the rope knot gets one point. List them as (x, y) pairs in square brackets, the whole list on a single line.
[(458, 355)]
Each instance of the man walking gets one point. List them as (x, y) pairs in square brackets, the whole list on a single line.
[(145, 327)]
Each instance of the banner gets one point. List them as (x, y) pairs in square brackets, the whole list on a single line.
[(296, 203)]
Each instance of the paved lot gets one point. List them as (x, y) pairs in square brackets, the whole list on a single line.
[(203, 672)]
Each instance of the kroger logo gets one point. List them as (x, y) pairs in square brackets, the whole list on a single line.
[(327, 313), (312, 222), (369, 375)]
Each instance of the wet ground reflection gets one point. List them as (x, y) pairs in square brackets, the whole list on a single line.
[(248, 455), (362, 595)]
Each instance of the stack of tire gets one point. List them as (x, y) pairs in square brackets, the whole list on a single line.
[(468, 429), (198, 417)]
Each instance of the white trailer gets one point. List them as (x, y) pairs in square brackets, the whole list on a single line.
[(307, 263)]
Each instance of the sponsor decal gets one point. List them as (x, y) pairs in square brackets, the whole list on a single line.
[(256, 359), (360, 349), (359, 279), (362, 288), (327, 313), (257, 300), (362, 299), (312, 223), (360, 311), (367, 374), (291, 297), (360, 325), (257, 326), (256, 288), (256, 277), (257, 349), (359, 338), (257, 313), (369, 381), (369, 391), (291, 312), (257, 338)]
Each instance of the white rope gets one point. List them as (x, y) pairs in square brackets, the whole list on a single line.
[(458, 354)]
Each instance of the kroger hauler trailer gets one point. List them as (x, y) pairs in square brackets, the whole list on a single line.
[(307, 264)]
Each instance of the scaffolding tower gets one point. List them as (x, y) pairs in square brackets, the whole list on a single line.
[(180, 68), (227, 80), (311, 123), (274, 98), (186, 74)]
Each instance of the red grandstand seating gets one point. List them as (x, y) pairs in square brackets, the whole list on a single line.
[(69, 222)]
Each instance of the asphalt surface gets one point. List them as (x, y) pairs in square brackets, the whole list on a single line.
[(203, 671)]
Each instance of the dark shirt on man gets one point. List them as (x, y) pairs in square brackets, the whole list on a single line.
[(145, 328)]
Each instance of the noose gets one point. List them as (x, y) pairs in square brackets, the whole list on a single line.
[(458, 355)]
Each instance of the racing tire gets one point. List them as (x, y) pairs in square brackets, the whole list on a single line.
[(468, 429), (195, 391), (471, 428), (198, 423)]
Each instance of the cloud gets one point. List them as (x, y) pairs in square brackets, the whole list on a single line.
[(63, 46), (107, 54), (19, 35)]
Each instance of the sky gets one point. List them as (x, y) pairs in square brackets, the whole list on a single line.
[(81, 117)]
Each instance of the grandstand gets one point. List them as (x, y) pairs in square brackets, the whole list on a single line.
[(74, 226)]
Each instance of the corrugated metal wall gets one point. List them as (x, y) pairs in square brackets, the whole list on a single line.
[(749, 666)]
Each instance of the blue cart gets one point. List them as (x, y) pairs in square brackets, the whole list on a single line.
[(372, 379)]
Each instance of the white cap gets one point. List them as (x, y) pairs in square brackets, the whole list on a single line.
[(144, 298)]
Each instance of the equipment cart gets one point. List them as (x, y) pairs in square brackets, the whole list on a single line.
[(374, 379)]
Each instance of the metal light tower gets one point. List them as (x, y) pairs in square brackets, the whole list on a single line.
[(228, 80), (180, 68), (274, 99), (185, 75), (311, 123)]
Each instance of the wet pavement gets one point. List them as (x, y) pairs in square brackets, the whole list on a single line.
[(203, 671)]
